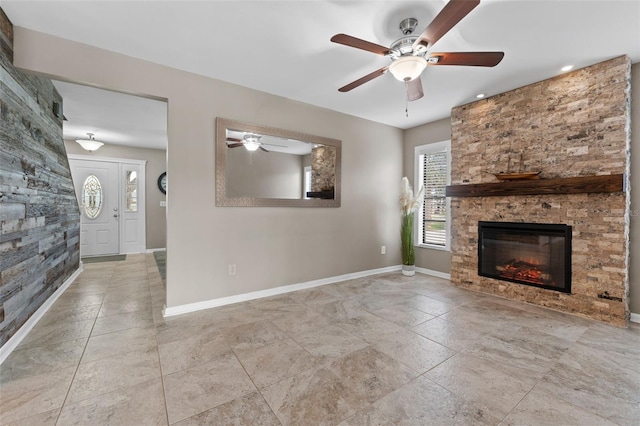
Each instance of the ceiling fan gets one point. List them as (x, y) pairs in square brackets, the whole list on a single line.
[(411, 54), (250, 141)]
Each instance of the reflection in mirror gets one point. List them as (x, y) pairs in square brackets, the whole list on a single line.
[(263, 166)]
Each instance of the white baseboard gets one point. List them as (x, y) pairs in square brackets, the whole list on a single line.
[(635, 318), (155, 249), (214, 303), (19, 336), (434, 273)]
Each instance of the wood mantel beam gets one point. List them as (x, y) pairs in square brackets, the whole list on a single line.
[(572, 185)]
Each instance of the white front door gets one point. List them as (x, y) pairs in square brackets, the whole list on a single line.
[(111, 197), (96, 185)]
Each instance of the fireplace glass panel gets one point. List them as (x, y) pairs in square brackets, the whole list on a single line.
[(526, 253)]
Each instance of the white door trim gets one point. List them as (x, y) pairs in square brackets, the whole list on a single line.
[(142, 231)]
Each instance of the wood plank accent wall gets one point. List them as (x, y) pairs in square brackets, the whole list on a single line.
[(570, 128), (39, 215)]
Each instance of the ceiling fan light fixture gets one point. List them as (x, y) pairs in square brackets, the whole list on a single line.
[(89, 144), (252, 143), (407, 68)]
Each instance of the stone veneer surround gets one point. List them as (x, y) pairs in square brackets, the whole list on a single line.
[(323, 168), (576, 124)]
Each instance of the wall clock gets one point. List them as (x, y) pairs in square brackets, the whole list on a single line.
[(162, 183)]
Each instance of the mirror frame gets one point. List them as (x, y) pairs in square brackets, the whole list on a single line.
[(222, 124)]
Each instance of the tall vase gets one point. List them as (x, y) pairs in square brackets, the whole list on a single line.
[(406, 238)]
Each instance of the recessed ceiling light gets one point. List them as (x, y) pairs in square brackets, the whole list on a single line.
[(566, 68), (480, 95)]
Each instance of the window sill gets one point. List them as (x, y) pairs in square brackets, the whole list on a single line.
[(427, 246)]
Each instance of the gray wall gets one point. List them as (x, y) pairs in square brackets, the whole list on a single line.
[(634, 247), (270, 246), (437, 131), (263, 174), (39, 217), (156, 216)]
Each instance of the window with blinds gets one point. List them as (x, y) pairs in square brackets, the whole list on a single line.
[(433, 174), (308, 176)]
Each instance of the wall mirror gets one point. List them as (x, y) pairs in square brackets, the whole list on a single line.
[(260, 166)]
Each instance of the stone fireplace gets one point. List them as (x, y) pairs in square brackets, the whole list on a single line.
[(575, 130)]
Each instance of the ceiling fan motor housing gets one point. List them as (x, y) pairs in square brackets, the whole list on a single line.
[(404, 45)]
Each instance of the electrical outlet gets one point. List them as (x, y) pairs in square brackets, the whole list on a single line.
[(383, 249), (232, 269)]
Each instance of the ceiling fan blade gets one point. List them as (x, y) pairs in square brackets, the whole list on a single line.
[(265, 150), (362, 80), (348, 40), (234, 140), (414, 89), (473, 59), (448, 17), (235, 145)]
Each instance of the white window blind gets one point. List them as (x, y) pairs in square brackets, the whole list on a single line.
[(433, 173), (307, 182), (434, 205)]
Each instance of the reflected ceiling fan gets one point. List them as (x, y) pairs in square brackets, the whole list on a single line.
[(411, 54), (251, 142)]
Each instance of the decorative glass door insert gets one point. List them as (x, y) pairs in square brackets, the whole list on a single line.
[(92, 197)]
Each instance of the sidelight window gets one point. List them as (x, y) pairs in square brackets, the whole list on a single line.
[(131, 190)]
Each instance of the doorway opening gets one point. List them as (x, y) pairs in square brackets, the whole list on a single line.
[(129, 207)]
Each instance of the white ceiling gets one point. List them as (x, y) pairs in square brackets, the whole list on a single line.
[(113, 118), (283, 47)]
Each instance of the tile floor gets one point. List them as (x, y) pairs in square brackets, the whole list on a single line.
[(381, 350)]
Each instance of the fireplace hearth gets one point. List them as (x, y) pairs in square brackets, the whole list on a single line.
[(534, 254)]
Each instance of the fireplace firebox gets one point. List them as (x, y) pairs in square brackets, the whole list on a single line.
[(527, 253)]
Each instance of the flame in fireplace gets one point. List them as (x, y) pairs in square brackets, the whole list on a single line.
[(527, 270)]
